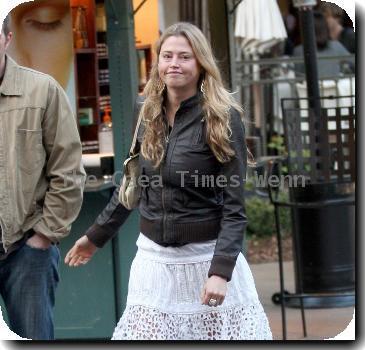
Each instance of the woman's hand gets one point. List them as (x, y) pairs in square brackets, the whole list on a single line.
[(81, 252), (215, 288)]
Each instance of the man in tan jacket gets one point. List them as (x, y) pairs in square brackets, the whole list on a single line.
[(41, 189)]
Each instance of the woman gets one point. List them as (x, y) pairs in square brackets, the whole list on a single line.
[(188, 280)]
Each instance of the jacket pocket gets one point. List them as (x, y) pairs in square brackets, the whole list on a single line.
[(218, 193), (30, 151), (198, 135)]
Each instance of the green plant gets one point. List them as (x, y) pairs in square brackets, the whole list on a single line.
[(277, 143), (261, 217), (249, 185)]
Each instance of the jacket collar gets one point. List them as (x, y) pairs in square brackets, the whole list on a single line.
[(191, 101), (188, 103), (11, 81)]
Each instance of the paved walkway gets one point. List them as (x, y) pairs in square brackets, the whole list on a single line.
[(321, 323)]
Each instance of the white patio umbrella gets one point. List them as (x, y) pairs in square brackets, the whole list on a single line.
[(259, 24)]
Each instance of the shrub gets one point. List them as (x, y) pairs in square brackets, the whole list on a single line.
[(261, 217)]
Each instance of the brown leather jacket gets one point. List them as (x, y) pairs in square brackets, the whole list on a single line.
[(192, 204)]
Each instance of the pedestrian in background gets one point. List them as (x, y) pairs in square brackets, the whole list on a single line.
[(39, 148), (327, 68), (189, 279), (334, 16)]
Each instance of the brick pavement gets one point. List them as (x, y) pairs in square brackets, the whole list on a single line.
[(321, 323)]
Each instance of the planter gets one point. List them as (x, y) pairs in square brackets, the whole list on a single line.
[(324, 244)]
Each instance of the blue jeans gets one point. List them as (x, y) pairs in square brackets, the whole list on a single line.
[(28, 281)]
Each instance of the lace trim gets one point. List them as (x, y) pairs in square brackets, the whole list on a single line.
[(236, 323)]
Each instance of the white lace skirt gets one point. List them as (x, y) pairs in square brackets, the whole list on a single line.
[(164, 303)]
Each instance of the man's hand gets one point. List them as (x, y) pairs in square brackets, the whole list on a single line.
[(215, 288), (38, 241), (81, 253)]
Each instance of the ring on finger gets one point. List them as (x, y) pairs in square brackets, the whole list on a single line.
[(213, 302)]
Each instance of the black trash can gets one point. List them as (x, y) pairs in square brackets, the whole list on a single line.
[(324, 244)]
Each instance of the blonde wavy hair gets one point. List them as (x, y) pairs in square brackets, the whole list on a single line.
[(217, 101)]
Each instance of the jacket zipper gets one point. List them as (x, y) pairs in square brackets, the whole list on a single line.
[(167, 138), (197, 141)]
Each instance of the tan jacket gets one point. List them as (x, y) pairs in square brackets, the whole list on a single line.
[(39, 150)]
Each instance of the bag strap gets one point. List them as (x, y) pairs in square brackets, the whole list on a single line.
[(134, 141)]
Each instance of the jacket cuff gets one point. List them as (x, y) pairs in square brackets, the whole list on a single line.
[(222, 266), (98, 235)]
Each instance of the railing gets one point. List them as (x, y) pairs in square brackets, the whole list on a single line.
[(261, 84)]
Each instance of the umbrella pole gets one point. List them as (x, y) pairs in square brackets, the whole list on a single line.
[(311, 72), (310, 56)]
